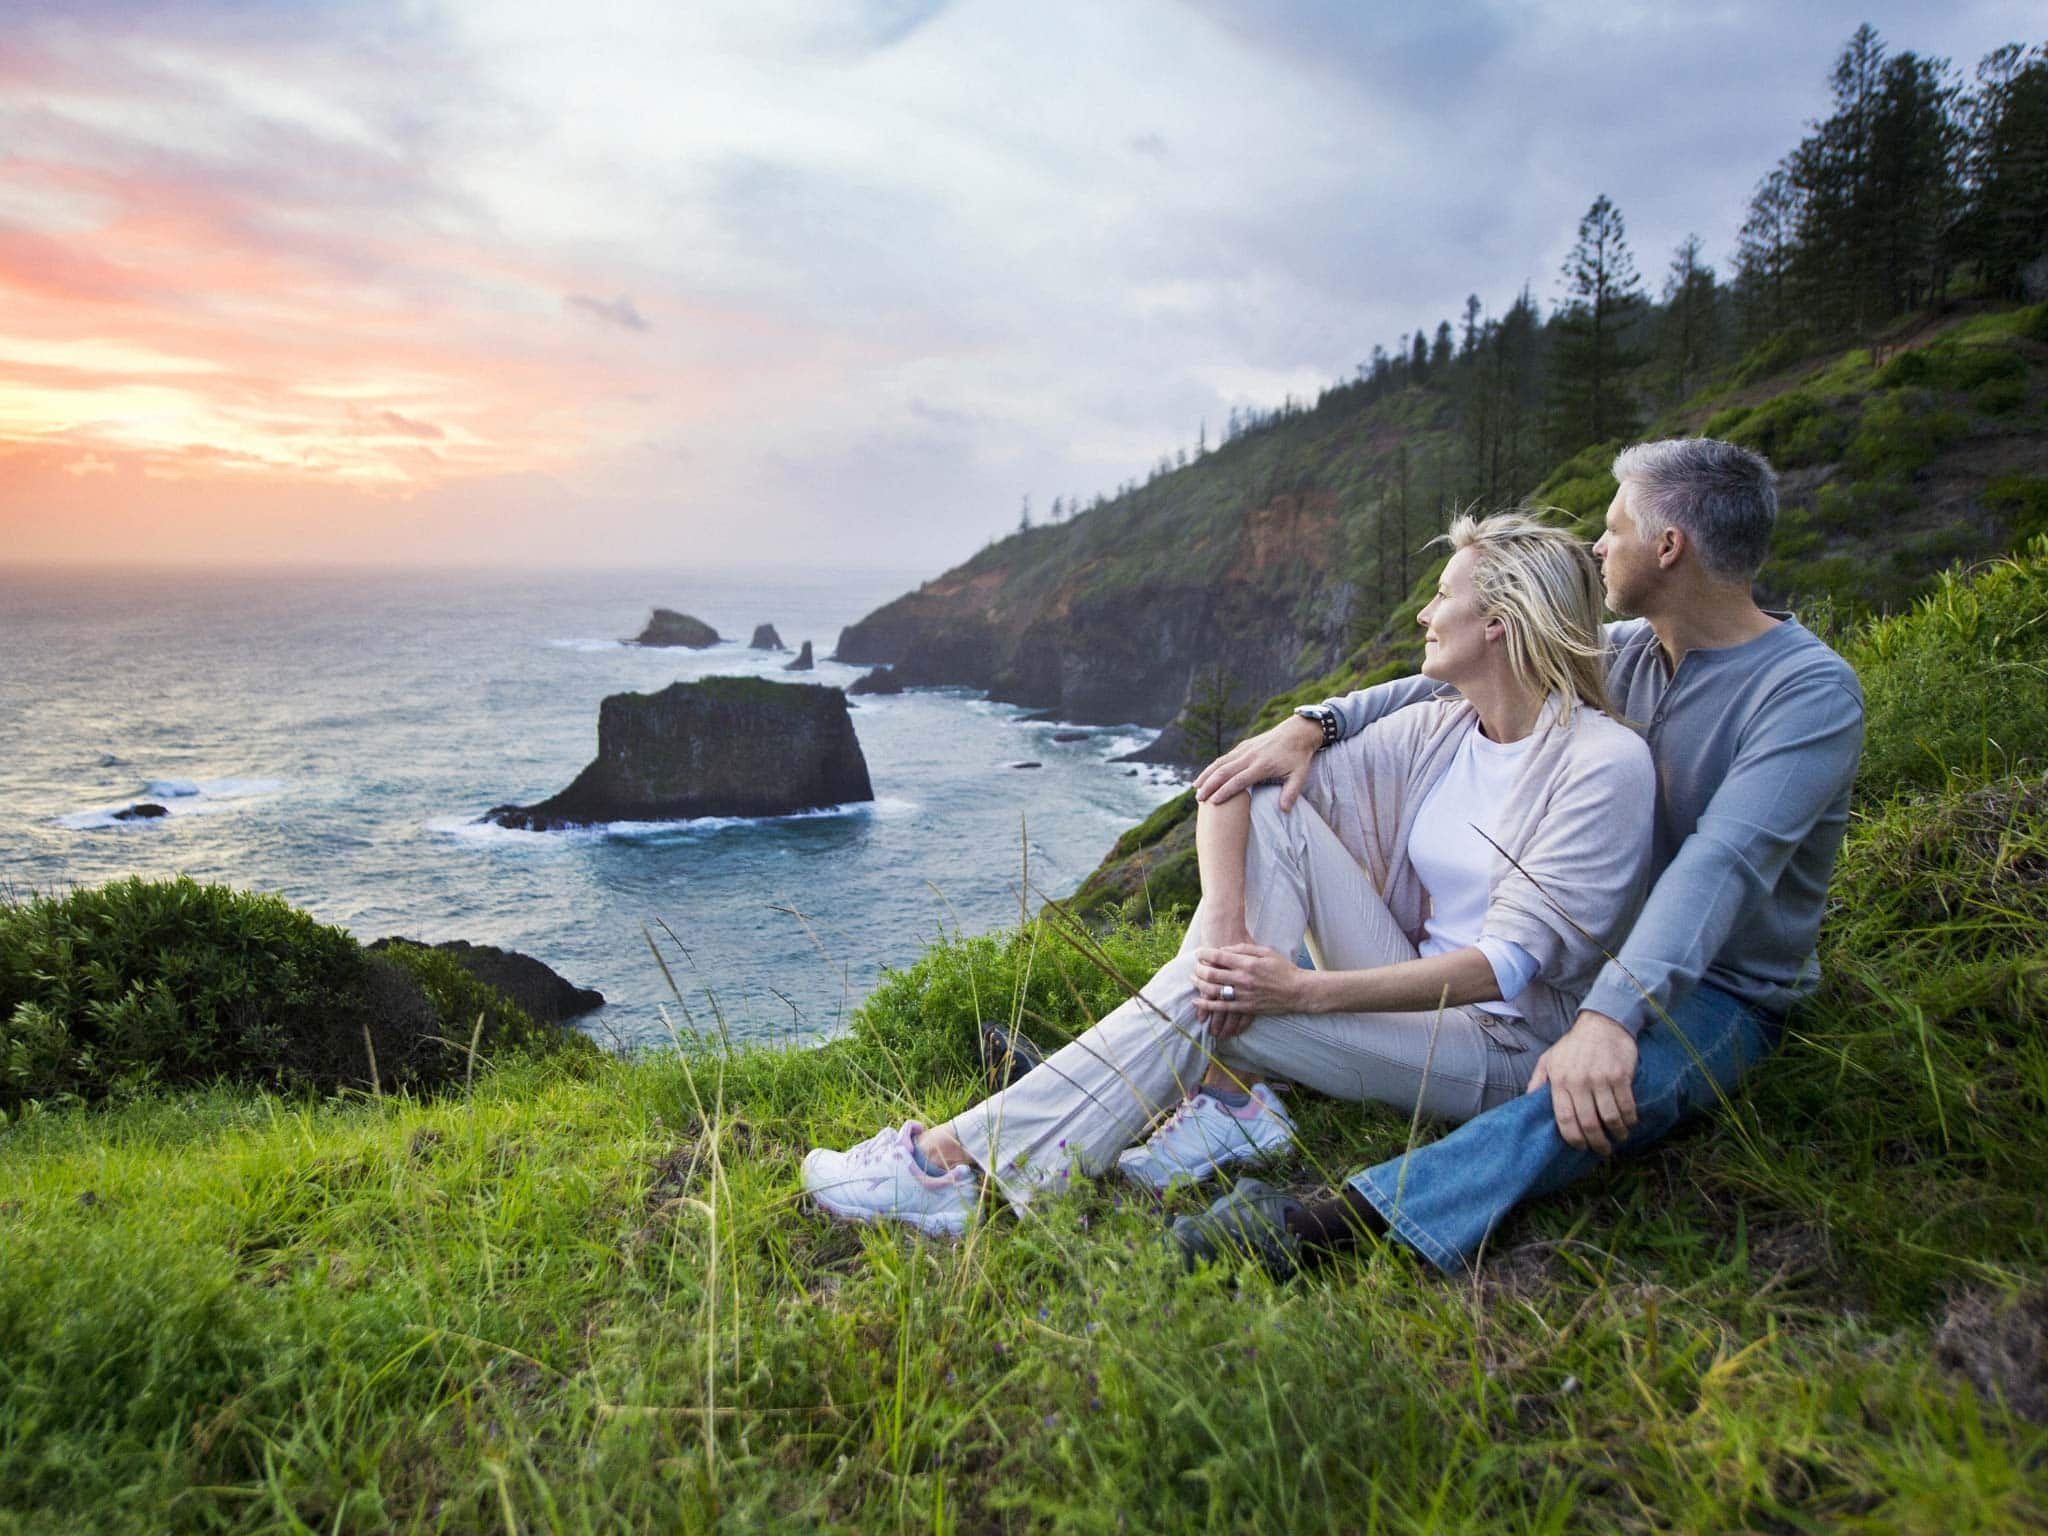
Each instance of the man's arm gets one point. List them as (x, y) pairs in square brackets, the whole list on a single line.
[(1795, 758), (1355, 711), (1795, 761), (1285, 752)]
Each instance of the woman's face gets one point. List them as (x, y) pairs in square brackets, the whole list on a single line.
[(1457, 637)]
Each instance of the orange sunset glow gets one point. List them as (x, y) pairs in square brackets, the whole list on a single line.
[(452, 282)]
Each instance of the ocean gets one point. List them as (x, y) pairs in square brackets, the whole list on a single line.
[(332, 736)]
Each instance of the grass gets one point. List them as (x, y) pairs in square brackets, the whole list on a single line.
[(581, 1292), (585, 1296)]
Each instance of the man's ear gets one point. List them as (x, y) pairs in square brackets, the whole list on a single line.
[(1671, 543)]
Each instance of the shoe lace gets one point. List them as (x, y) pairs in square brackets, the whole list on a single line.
[(874, 1150)]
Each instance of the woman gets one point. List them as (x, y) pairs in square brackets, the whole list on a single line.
[(1457, 869)]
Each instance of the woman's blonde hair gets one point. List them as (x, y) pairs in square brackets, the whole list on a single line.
[(1544, 586)]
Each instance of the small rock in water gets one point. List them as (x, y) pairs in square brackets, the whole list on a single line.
[(1070, 735), (765, 639), (803, 662), (667, 627), (881, 680), (145, 811), (1027, 765)]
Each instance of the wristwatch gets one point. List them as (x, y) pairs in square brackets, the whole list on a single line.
[(1324, 718)]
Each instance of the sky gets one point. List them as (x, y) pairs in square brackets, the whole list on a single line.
[(827, 285)]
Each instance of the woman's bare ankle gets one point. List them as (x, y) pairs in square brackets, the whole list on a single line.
[(941, 1147)]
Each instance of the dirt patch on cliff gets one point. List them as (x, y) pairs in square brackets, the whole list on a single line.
[(1289, 529)]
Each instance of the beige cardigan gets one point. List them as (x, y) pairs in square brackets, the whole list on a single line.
[(1575, 835)]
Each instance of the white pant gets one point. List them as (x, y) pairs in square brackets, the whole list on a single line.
[(1096, 1096)]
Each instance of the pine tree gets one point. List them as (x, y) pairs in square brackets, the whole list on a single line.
[(1212, 715), (1687, 328), (1764, 257), (1915, 146), (2004, 126), (1602, 294), (1440, 348)]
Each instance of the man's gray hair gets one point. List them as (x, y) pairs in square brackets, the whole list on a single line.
[(1723, 498)]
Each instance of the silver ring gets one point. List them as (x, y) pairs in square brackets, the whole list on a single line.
[(1229, 993)]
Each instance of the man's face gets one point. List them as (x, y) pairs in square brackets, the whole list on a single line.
[(1628, 562)]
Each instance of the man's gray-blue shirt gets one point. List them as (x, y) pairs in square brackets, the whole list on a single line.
[(1756, 747)]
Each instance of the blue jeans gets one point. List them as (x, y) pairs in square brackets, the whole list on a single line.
[(1445, 1199)]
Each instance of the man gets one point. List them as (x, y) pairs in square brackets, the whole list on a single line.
[(1755, 726)]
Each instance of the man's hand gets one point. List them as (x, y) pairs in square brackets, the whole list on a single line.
[(1284, 753), (1261, 980), (1590, 1072)]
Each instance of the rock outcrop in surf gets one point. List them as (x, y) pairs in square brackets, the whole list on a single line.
[(881, 680), (721, 746), (667, 627), (803, 662), (765, 639), (533, 985)]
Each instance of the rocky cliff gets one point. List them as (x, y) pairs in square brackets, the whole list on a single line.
[(722, 746), (1109, 618)]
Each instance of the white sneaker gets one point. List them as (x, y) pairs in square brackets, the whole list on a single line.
[(1205, 1134), (879, 1180)]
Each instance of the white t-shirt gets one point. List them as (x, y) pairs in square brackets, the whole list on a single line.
[(1455, 863)]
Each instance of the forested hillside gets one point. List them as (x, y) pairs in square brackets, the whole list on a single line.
[(1866, 334)]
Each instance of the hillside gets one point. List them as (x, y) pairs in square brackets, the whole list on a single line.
[(580, 1292), (1257, 556), (1897, 461)]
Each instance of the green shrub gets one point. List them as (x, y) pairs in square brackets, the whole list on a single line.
[(1859, 506), (1901, 432), (1850, 584), (1959, 685), (465, 1004), (1780, 352), (1795, 428), (1925, 553), (1721, 423), (2000, 397), (1946, 365), (173, 982), (2023, 501)]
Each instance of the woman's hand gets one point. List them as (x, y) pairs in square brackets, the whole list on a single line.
[(1260, 980)]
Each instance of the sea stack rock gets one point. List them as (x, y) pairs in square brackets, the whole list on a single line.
[(667, 627), (722, 746), (145, 811), (881, 680), (803, 662), (765, 639)]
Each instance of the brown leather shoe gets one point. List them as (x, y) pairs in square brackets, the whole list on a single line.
[(1006, 1054)]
